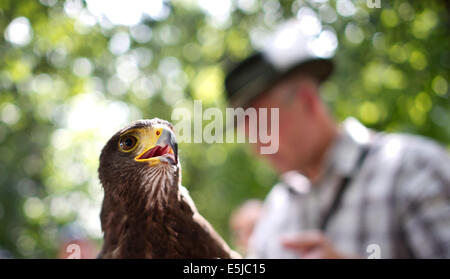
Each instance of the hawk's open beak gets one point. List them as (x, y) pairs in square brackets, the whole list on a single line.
[(165, 150)]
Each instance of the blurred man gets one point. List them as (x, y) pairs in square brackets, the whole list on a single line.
[(242, 223), (354, 192)]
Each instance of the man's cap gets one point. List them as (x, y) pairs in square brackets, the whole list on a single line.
[(289, 51)]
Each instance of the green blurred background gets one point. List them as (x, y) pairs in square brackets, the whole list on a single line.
[(73, 72)]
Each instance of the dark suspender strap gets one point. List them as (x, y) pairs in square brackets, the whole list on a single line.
[(345, 182)]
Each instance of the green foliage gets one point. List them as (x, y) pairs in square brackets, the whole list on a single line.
[(392, 74)]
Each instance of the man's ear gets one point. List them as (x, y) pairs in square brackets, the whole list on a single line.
[(307, 95)]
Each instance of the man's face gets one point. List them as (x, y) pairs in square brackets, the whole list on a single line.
[(296, 123)]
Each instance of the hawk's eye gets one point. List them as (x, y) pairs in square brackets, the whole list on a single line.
[(127, 143)]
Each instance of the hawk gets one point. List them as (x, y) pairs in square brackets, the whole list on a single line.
[(146, 213)]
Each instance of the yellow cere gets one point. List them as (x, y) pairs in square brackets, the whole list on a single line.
[(146, 139)]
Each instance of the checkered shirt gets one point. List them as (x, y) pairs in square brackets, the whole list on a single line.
[(397, 202)]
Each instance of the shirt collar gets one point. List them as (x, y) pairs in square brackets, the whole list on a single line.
[(345, 151)]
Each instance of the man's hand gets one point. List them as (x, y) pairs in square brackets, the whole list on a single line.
[(312, 245)]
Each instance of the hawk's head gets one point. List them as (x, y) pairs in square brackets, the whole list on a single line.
[(140, 155)]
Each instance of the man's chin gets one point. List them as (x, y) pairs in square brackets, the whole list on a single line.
[(279, 167)]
